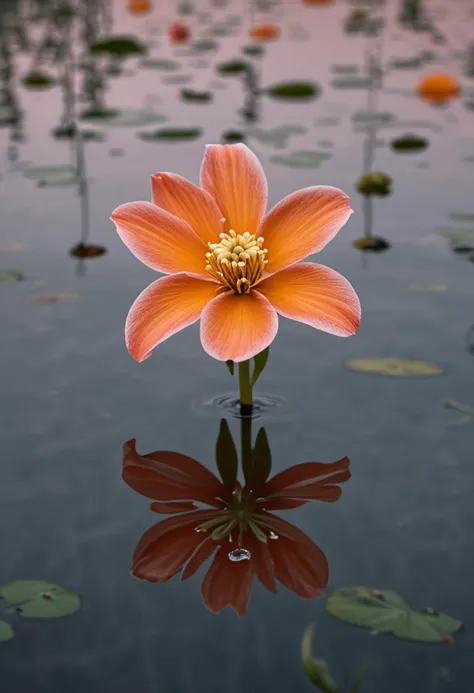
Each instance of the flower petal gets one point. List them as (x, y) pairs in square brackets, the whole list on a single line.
[(169, 476), (166, 546), (315, 295), (233, 175), (165, 307), (236, 327), (185, 200), (295, 481), (201, 554), (159, 239), (172, 508), (227, 583), (302, 224)]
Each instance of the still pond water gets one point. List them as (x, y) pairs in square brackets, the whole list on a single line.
[(72, 395)]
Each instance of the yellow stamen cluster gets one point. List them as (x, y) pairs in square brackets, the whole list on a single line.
[(238, 261)]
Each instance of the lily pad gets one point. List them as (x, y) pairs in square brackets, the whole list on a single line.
[(99, 114), (35, 79), (55, 172), (233, 136), (302, 158), (118, 45), (352, 82), (409, 143), (254, 50), (406, 63), (458, 235), (394, 367), (197, 96), (294, 90), (10, 276), (160, 64), (345, 69), (277, 137), (461, 216), (177, 79), (327, 121), (375, 183), (204, 45), (384, 611), (371, 244), (123, 118), (233, 67), (87, 250), (38, 599), (92, 136), (171, 135), (373, 117), (64, 132), (6, 632)]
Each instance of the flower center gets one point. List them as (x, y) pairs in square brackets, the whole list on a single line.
[(237, 261)]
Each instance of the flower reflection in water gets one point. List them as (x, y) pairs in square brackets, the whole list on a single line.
[(238, 525)]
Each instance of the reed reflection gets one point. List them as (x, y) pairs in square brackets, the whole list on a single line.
[(230, 520)]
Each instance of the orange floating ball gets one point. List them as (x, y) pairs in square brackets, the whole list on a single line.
[(265, 32), (438, 88), (179, 33), (139, 6)]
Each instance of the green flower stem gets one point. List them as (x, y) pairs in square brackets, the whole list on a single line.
[(245, 388), (246, 447)]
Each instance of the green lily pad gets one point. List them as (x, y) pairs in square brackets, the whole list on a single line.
[(10, 276), (171, 135), (35, 79), (204, 45), (160, 64), (345, 69), (327, 121), (277, 137), (352, 82), (92, 136), (177, 79), (458, 235), (375, 183), (39, 599), (373, 117), (294, 90), (197, 96), (6, 632), (394, 367), (118, 45), (384, 611), (409, 143), (122, 118), (49, 173), (233, 136), (233, 67), (64, 132), (461, 216), (371, 244), (302, 158), (254, 50), (406, 63), (87, 250)]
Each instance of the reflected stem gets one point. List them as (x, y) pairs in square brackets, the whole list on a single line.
[(245, 388), (246, 447)]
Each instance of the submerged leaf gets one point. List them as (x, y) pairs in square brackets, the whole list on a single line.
[(226, 455), (394, 367), (39, 599), (316, 669), (384, 611), (6, 632)]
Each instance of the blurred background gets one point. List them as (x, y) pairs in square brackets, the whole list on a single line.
[(376, 98)]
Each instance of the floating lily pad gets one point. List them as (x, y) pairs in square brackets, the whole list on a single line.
[(294, 90), (406, 63), (302, 158), (123, 118), (160, 64), (6, 632), (352, 82), (394, 367), (64, 132), (233, 67), (53, 298), (10, 276), (171, 135), (254, 50), (375, 183), (42, 173), (92, 136), (409, 143), (177, 79), (38, 599), (373, 117), (87, 250), (371, 244), (35, 79), (278, 136), (233, 136), (461, 216), (458, 235), (204, 45), (384, 611), (118, 45), (197, 96)]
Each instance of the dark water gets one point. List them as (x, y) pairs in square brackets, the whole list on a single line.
[(71, 393)]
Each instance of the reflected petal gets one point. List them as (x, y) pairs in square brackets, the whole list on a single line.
[(168, 476), (237, 327), (302, 568), (299, 481), (185, 200), (234, 176), (227, 583), (315, 295), (165, 307), (303, 223), (159, 239), (172, 508), (203, 552)]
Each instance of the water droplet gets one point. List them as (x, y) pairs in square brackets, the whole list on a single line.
[(200, 529), (223, 220), (272, 535), (239, 555)]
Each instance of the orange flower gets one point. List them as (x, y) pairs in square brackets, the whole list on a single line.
[(179, 33), (231, 265), (246, 538), (139, 6), (265, 32), (438, 88)]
